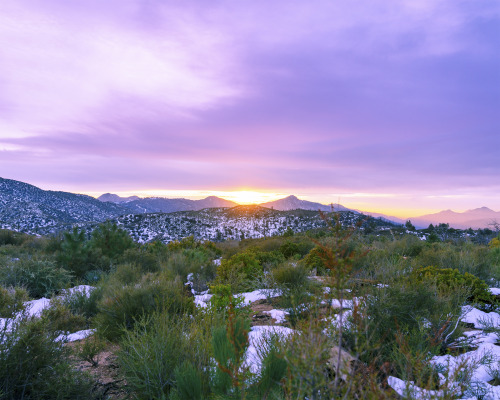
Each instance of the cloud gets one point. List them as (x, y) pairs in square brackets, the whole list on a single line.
[(372, 96)]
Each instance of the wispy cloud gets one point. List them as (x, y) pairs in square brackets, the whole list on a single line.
[(334, 97)]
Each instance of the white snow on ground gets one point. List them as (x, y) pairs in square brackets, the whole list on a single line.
[(278, 315), (495, 291), (34, 308), (202, 300), (249, 297), (479, 318), (72, 337), (484, 361), (255, 337), (86, 289), (409, 390)]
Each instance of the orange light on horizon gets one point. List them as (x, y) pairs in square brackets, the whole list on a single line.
[(243, 197)]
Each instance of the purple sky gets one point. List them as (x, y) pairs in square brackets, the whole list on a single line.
[(384, 105)]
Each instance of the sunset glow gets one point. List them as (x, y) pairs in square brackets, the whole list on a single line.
[(378, 106)]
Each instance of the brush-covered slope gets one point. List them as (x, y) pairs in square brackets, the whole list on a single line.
[(26, 208)]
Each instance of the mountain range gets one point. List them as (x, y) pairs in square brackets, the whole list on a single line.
[(27, 208), (478, 218)]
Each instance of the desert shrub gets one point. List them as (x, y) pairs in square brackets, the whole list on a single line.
[(449, 280), (229, 344), (144, 258), (307, 354), (289, 249), (126, 274), (156, 347), (269, 259), (84, 303), (291, 277), (59, 318), (190, 243), (10, 237), (314, 261), (203, 276), (34, 366), (122, 306), (495, 242), (41, 278), (110, 241), (75, 253), (182, 263), (89, 349), (405, 308), (223, 300), (239, 271), (12, 301)]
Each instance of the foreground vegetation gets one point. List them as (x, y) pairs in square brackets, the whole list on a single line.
[(361, 305)]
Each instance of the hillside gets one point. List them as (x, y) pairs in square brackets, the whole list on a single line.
[(294, 203), (26, 208), (240, 222), (137, 205), (478, 218)]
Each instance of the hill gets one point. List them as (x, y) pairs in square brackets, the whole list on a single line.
[(26, 208), (138, 205), (240, 222), (478, 218), (294, 203)]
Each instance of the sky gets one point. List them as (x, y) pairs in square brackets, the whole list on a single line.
[(381, 105)]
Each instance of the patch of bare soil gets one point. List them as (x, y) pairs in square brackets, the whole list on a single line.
[(109, 383)]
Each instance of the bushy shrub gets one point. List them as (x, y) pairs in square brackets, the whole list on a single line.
[(122, 306), (495, 242), (75, 253), (144, 258), (84, 303), (12, 301), (449, 280), (59, 318), (190, 243), (239, 271), (156, 347), (110, 241), (10, 237), (314, 261), (222, 300), (33, 366), (182, 263), (41, 278), (289, 249), (405, 308), (291, 277)]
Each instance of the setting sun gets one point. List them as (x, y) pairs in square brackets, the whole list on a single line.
[(249, 197)]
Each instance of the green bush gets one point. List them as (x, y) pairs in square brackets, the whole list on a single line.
[(12, 301), (449, 280), (314, 261), (110, 241), (291, 277), (182, 263), (154, 350), (75, 254), (83, 303), (144, 258), (41, 278), (10, 237), (239, 271), (33, 366), (59, 318), (289, 249), (415, 309), (122, 306)]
